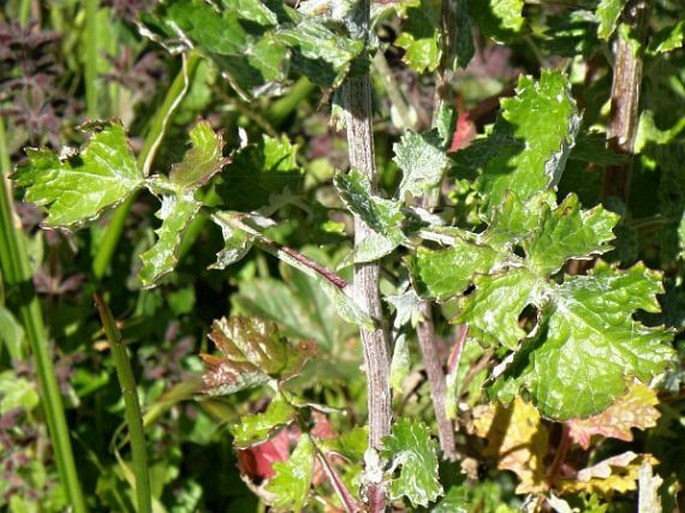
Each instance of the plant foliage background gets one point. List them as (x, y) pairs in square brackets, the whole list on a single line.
[(187, 160)]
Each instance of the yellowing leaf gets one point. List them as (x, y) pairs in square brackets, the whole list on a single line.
[(519, 441), (634, 410), (617, 474)]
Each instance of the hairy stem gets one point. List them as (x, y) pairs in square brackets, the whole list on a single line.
[(16, 271), (625, 97), (357, 107), (134, 418)]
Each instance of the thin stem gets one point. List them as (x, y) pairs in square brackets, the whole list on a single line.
[(625, 98), (157, 130), (357, 107), (338, 485), (425, 330), (16, 271), (91, 64), (134, 418), (280, 110)]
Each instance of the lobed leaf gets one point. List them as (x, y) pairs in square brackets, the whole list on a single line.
[(252, 353), (77, 189), (176, 213), (419, 36), (498, 19), (567, 232), (636, 409), (290, 486), (410, 449), (237, 243), (423, 162), (202, 161), (257, 428), (588, 344), (381, 215), (444, 273)]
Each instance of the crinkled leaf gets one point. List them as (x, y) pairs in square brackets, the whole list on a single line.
[(543, 120), (423, 162), (258, 172), (588, 344), (492, 310), (253, 352), (176, 213), (518, 440), (406, 307), (259, 427), (668, 39), (444, 273), (237, 243), (203, 159), (636, 409), (569, 232), (412, 453), (419, 36), (618, 474), (238, 38), (319, 53), (608, 12), (381, 215), (498, 19), (77, 189), (290, 486), (530, 143)]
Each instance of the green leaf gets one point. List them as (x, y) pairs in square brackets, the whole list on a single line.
[(258, 172), (253, 353), (465, 47), (423, 162), (78, 189), (492, 310), (412, 453), (588, 344), (668, 39), (202, 161), (648, 132), (320, 54), (293, 478), (12, 335), (383, 216), (176, 213), (237, 36), (530, 143), (237, 243), (444, 273), (419, 36), (567, 232), (257, 428), (16, 392), (456, 500), (608, 12), (498, 19)]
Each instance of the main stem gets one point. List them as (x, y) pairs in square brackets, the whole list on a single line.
[(357, 105)]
